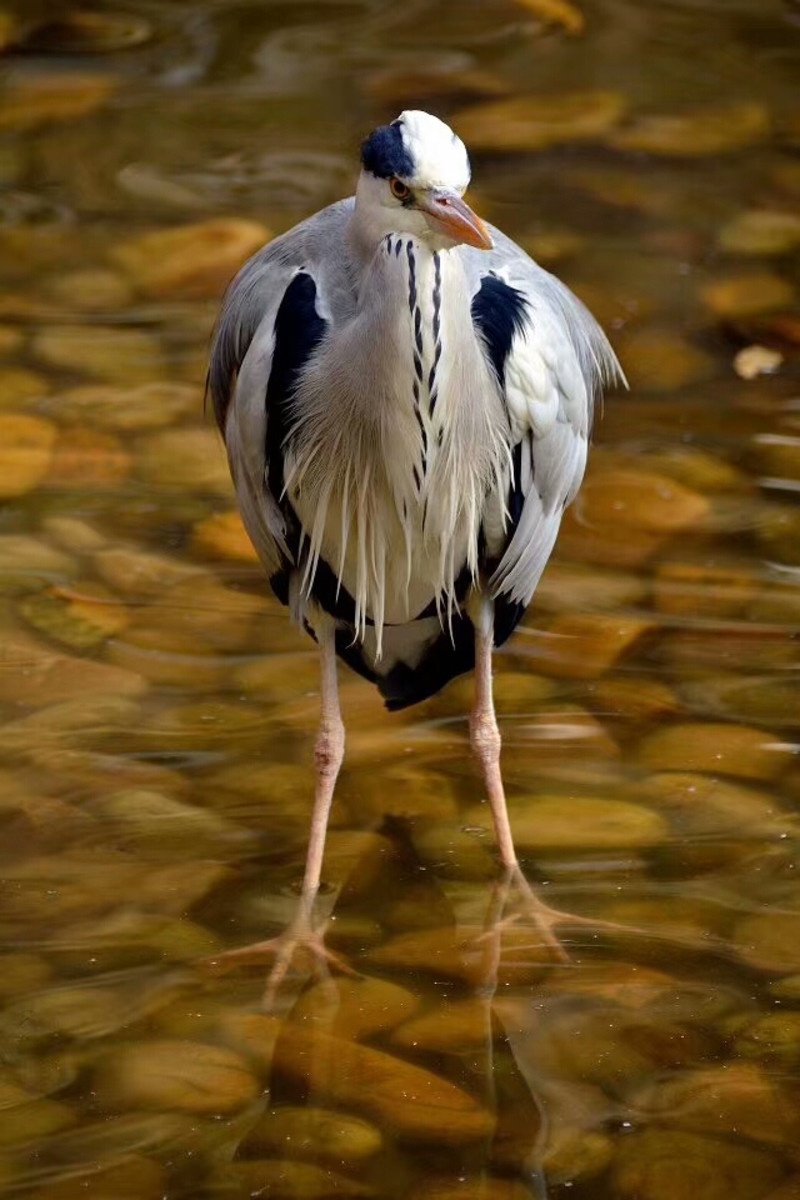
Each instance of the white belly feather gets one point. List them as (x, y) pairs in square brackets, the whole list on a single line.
[(403, 443)]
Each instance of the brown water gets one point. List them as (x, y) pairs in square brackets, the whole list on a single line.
[(158, 708)]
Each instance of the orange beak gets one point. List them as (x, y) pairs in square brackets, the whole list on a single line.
[(447, 213)]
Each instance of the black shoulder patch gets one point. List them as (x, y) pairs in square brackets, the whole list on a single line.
[(384, 154), (498, 313)]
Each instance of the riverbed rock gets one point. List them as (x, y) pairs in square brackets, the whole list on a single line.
[(534, 122), (191, 1077), (26, 452)]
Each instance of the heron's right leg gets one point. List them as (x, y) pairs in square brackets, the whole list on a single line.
[(301, 933)]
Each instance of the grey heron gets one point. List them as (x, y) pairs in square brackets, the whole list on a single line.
[(406, 400)]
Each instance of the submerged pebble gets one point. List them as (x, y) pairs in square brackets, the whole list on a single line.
[(184, 1076)]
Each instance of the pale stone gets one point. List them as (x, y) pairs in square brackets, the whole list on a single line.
[(453, 851), (752, 361), (108, 354), (190, 260), (73, 535), (696, 134), (724, 749), (26, 452), (406, 1099), (634, 699), (155, 825), (705, 806), (38, 675), (355, 1008), (140, 573), (80, 618), (26, 561), (568, 587), (687, 589), (189, 1077), (316, 1133), (186, 459), (535, 122), (660, 1165), (122, 1177)]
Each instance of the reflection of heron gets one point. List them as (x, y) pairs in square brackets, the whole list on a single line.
[(406, 400)]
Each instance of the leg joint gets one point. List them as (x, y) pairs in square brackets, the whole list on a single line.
[(485, 735), (329, 747)]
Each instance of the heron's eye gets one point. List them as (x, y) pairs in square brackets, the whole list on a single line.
[(399, 189)]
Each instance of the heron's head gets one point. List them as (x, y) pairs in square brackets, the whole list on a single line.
[(413, 176)]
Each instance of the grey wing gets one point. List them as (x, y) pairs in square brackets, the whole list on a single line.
[(273, 316), (552, 361)]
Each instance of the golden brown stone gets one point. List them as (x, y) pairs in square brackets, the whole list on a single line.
[(108, 354), (547, 824), (661, 1165), (634, 699), (585, 645), (454, 1026), (88, 458), (464, 954), (287, 1179), (761, 231), (662, 359), (90, 290), (687, 589), (747, 294), (26, 452), (187, 1076), (535, 122), (32, 100), (321, 1134), (141, 574), (562, 13), (190, 260), (719, 749), (126, 409), (122, 1177), (38, 675), (773, 1039), (18, 384), (223, 536), (696, 134), (186, 459), (483, 1186), (769, 941), (409, 1101)]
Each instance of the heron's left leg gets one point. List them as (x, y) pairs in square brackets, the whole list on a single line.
[(486, 742)]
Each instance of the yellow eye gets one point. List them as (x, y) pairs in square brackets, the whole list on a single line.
[(399, 189)]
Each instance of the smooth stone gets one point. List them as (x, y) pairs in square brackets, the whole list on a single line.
[(205, 725), (129, 939), (637, 699), (639, 499), (26, 452), (82, 31), (73, 535), (561, 13), (769, 699), (753, 361), (698, 469), (661, 359), (69, 722), (790, 1190), (111, 355), (462, 954), (453, 851), (575, 1154), (315, 1133), (86, 459), (778, 455), (747, 294), (256, 793), (27, 562), (20, 970), (567, 587), (703, 806), (124, 1177), (734, 652), (778, 533), (526, 123), (32, 1122), (185, 459), (552, 824), (431, 79), (90, 290), (585, 645), (773, 1039), (191, 1077), (80, 619), (736, 1099), (79, 1012), (620, 983), (157, 826), (761, 231), (659, 1164), (355, 1008), (38, 675), (279, 677), (454, 1026), (696, 134), (288, 1179), (141, 574), (223, 536), (716, 748), (149, 406), (200, 615), (483, 1187), (404, 1099), (18, 384), (769, 941), (195, 260), (29, 101), (700, 590)]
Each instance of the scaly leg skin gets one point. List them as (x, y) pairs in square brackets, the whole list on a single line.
[(301, 936), (485, 739)]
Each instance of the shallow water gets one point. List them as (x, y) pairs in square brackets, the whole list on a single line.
[(159, 710)]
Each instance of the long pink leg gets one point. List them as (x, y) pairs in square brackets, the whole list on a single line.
[(301, 934), (486, 743)]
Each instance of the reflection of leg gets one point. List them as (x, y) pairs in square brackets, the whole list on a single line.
[(300, 934)]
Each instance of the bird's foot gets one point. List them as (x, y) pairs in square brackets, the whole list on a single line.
[(545, 918), (299, 939)]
